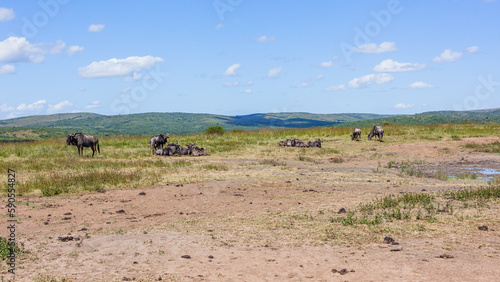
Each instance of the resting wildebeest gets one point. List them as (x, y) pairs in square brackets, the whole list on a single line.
[(194, 150), (81, 140), (356, 133), (170, 150), (156, 141), (315, 143), (376, 131)]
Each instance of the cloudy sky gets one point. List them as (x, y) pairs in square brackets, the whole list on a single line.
[(239, 57)]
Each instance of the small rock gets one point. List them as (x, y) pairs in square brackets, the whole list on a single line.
[(288, 181), (142, 194), (136, 262), (210, 257), (343, 271), (83, 229), (388, 180), (120, 211), (334, 270), (68, 213), (445, 256), (397, 249), (186, 257), (66, 218), (46, 223), (423, 190), (369, 181), (483, 228), (342, 210)]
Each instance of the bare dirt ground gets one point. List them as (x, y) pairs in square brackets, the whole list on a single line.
[(255, 223)]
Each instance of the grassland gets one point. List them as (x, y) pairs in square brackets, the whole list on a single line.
[(251, 194)]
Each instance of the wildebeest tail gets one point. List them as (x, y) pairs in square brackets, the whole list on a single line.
[(98, 150)]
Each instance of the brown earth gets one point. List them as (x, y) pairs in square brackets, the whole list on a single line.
[(252, 224)]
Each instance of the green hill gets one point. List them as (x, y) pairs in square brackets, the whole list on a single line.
[(58, 125)]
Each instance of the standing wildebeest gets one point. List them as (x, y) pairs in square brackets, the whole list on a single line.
[(156, 141), (81, 140), (376, 131), (356, 133)]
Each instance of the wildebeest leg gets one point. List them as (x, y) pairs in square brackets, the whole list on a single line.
[(93, 149)]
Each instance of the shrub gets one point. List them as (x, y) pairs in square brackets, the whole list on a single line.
[(215, 129)]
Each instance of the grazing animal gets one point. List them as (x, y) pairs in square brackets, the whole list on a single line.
[(356, 134), (156, 141), (81, 140), (376, 131), (282, 143)]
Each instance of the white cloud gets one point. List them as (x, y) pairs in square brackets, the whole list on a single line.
[(420, 84), (7, 69), (403, 106), (38, 105), (96, 27), (320, 76), (336, 87), (6, 14), (394, 66), (74, 49), (93, 105), (328, 64), (18, 49), (366, 80), (231, 70), (82, 88), (219, 26), (372, 48), (266, 39), (231, 84), (249, 83), (133, 77), (448, 56), (126, 89), (60, 107), (275, 72), (302, 85), (5, 109), (247, 91), (119, 67), (472, 49), (363, 81)]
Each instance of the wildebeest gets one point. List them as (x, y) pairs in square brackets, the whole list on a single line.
[(170, 150), (315, 143), (356, 133), (156, 141), (376, 131), (81, 140), (194, 150)]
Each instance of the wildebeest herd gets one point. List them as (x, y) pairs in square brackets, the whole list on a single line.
[(299, 143), (376, 131), (81, 140)]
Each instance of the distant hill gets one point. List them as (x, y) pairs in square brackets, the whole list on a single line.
[(155, 123), (58, 125)]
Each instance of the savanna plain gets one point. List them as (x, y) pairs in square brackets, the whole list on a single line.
[(409, 208)]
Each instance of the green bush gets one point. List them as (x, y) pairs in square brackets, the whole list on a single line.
[(215, 129)]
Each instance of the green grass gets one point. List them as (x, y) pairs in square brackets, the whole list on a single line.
[(6, 249)]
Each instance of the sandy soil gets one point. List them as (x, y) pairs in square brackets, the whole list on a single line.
[(215, 230)]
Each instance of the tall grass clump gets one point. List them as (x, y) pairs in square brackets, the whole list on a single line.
[(57, 183)]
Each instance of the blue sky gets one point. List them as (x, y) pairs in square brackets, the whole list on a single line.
[(236, 57)]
